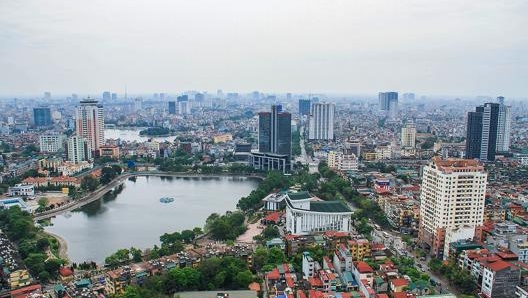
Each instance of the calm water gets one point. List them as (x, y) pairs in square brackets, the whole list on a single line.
[(130, 135), (137, 218)]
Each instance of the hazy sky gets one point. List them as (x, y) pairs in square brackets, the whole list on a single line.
[(458, 47)]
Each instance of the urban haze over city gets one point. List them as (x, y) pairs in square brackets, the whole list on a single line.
[(278, 149)]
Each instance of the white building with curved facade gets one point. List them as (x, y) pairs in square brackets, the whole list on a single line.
[(306, 214)]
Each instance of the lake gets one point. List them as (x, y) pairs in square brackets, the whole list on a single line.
[(130, 135), (136, 217)]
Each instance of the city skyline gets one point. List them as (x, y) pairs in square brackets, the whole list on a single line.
[(345, 47)]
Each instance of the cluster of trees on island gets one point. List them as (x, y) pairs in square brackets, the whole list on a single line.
[(156, 131)]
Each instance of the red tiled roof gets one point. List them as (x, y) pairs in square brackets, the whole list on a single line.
[(315, 282), (315, 294), (400, 295), (382, 296), (363, 267), (65, 271), (274, 274), (254, 286), (328, 262), (273, 217), (286, 268), (399, 282), (25, 291), (300, 294), (377, 246), (289, 282), (499, 265), (507, 255), (290, 237)]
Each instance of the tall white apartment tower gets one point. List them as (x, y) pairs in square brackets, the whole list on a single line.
[(408, 135), (451, 203), (89, 123), (322, 121), (504, 129), (79, 149)]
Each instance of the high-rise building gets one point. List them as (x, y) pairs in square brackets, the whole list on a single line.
[(89, 119), (199, 97), (184, 106), (504, 129), (107, 96), (488, 131), (172, 107), (138, 104), (42, 116), (386, 98), (451, 203), (264, 132), (114, 96), (321, 121), (275, 131), (408, 135), (274, 141), (162, 96), (47, 95), (79, 149), (304, 106), (474, 133), (51, 143), (393, 109)]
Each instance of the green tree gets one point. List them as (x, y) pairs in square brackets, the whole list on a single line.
[(137, 254), (132, 292), (260, 258), (52, 266), (276, 256), (187, 236), (43, 203), (121, 256), (197, 231), (89, 182), (44, 276), (270, 232), (244, 278)]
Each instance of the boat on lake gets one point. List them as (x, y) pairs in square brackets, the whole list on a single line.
[(166, 200)]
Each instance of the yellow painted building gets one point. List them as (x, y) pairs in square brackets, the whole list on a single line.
[(19, 278), (360, 249)]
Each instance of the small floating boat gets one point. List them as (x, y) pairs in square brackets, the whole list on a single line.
[(166, 200)]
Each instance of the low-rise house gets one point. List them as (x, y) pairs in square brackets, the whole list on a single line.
[(21, 190), (398, 284), (500, 279)]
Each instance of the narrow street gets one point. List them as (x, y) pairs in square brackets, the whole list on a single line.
[(305, 159)]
